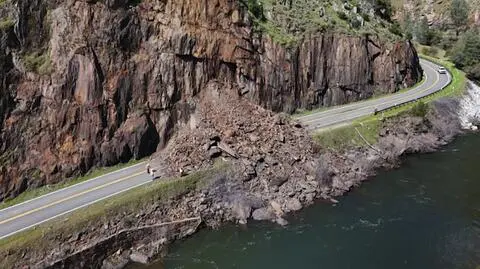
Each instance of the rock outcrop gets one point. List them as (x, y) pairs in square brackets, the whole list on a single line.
[(92, 83)]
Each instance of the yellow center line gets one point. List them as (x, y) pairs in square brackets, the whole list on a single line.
[(68, 198)]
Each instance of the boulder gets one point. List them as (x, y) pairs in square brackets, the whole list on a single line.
[(241, 210), (293, 204), (139, 257), (264, 213)]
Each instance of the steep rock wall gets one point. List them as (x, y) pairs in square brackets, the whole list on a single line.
[(88, 83)]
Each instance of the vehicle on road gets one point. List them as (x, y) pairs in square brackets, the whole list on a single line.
[(442, 70)]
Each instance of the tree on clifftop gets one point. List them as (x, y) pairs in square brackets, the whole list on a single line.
[(459, 14)]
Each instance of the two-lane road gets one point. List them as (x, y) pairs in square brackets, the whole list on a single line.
[(33, 212), (433, 82)]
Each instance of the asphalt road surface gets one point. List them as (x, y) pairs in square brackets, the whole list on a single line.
[(434, 81), (36, 211)]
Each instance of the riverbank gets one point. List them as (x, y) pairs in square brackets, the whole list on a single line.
[(274, 168), (422, 215)]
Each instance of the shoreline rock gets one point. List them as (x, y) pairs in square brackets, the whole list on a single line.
[(306, 174)]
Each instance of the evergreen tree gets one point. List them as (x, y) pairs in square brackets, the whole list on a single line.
[(459, 14), (423, 32)]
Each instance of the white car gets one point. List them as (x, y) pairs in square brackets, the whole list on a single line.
[(442, 70)]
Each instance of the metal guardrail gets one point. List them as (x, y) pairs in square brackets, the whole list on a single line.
[(419, 98)]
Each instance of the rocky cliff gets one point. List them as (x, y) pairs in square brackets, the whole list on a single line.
[(89, 83), (437, 12)]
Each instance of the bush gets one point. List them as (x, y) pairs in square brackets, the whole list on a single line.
[(38, 62), (473, 72), (420, 109), (466, 51), (396, 29), (355, 23), (256, 8), (6, 23), (342, 15), (365, 16), (430, 51), (383, 8)]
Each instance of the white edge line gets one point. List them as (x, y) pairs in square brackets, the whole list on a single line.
[(360, 101), (69, 187), (315, 129), (406, 95), (108, 196), (73, 209)]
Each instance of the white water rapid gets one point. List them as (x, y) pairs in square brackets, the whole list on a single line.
[(469, 113)]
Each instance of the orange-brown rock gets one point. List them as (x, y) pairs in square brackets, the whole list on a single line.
[(90, 83)]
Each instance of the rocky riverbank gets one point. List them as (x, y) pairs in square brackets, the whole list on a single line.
[(274, 167)]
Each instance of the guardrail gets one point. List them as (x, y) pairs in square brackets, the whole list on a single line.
[(419, 98)]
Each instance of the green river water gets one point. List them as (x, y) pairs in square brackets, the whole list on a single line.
[(425, 214)]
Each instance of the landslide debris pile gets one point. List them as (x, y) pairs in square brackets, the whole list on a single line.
[(274, 157)]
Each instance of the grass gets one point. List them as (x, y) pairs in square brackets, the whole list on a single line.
[(301, 113), (289, 23), (31, 194), (459, 80), (433, 52), (346, 137), (127, 203)]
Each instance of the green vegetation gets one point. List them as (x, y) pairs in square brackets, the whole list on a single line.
[(38, 62), (300, 113), (419, 109), (126, 204), (466, 54), (346, 137), (458, 41), (459, 11), (6, 23), (30, 194), (459, 80), (426, 35), (287, 21)]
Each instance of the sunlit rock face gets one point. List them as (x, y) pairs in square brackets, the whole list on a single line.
[(91, 83)]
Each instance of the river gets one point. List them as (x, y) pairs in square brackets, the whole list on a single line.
[(425, 214)]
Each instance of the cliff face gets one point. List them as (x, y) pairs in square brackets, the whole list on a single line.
[(85, 83), (436, 11)]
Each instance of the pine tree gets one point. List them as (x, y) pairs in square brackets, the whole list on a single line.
[(459, 14)]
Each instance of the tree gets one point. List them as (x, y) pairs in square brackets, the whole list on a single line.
[(466, 53), (408, 26), (459, 14), (422, 32)]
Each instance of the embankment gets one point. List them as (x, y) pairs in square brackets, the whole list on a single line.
[(274, 168)]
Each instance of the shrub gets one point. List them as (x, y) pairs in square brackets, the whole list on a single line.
[(395, 29), (38, 62), (342, 15), (355, 23), (365, 16), (383, 8), (420, 109), (256, 9), (466, 52), (430, 51), (6, 23), (473, 72)]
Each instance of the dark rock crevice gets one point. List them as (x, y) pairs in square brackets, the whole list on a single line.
[(126, 75)]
